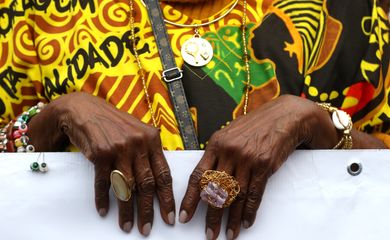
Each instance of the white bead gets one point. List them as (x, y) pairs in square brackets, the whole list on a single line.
[(21, 149), (30, 148), (43, 167), (40, 105), (17, 124), (341, 119)]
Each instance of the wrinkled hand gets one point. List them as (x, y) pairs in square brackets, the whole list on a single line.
[(251, 148), (112, 139)]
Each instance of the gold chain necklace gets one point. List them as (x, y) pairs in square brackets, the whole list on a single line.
[(142, 71), (246, 58), (139, 64), (200, 24)]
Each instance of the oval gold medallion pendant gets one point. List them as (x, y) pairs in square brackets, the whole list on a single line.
[(197, 51)]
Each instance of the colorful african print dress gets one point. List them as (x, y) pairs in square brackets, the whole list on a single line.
[(333, 51)]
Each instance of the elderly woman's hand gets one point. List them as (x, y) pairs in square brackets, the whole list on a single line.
[(253, 147), (110, 139)]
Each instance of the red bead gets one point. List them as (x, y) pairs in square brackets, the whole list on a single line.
[(17, 134)]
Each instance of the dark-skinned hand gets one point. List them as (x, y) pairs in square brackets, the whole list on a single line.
[(110, 139), (253, 147)]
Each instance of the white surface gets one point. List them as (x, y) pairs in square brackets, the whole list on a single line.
[(311, 197)]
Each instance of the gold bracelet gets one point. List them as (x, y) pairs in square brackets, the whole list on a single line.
[(342, 121)]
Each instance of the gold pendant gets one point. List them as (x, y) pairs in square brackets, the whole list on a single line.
[(197, 51)]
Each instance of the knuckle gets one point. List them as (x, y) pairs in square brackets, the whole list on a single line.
[(101, 189), (251, 207), (231, 148), (213, 217), (253, 199), (125, 211), (146, 208), (190, 200), (100, 153), (166, 200), (241, 197), (215, 137), (148, 212), (195, 177), (253, 193), (264, 160), (215, 140), (102, 184), (147, 186), (153, 133), (138, 138), (164, 179)]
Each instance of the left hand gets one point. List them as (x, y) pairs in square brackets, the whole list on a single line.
[(253, 147)]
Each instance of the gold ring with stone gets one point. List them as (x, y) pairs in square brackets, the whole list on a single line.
[(122, 186), (218, 188)]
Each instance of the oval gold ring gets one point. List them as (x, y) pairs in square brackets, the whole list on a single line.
[(122, 186)]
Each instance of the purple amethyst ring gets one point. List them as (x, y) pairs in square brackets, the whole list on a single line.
[(218, 189)]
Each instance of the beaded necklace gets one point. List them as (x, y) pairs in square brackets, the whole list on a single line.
[(141, 70)]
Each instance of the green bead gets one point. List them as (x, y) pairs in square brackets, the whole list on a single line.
[(34, 166), (32, 112), (25, 117)]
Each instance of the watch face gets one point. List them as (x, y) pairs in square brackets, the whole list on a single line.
[(341, 119)]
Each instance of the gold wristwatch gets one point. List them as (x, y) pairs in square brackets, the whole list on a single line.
[(342, 121)]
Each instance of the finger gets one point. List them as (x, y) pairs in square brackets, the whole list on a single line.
[(126, 215), (145, 189), (235, 211), (192, 195), (254, 196), (102, 187), (213, 222), (214, 215), (126, 218), (164, 189)]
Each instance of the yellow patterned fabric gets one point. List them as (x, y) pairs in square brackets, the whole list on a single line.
[(311, 49)]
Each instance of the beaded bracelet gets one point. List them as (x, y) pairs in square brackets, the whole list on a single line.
[(14, 135), (4, 142)]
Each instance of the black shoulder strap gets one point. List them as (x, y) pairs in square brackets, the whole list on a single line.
[(172, 75)]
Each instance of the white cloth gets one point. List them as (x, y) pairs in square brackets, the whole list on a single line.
[(311, 197)]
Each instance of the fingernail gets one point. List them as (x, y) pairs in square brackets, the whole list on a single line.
[(245, 224), (146, 229), (183, 216), (127, 226), (102, 212), (209, 234), (230, 234), (171, 218)]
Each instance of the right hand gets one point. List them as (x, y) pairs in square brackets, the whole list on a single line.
[(110, 139)]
